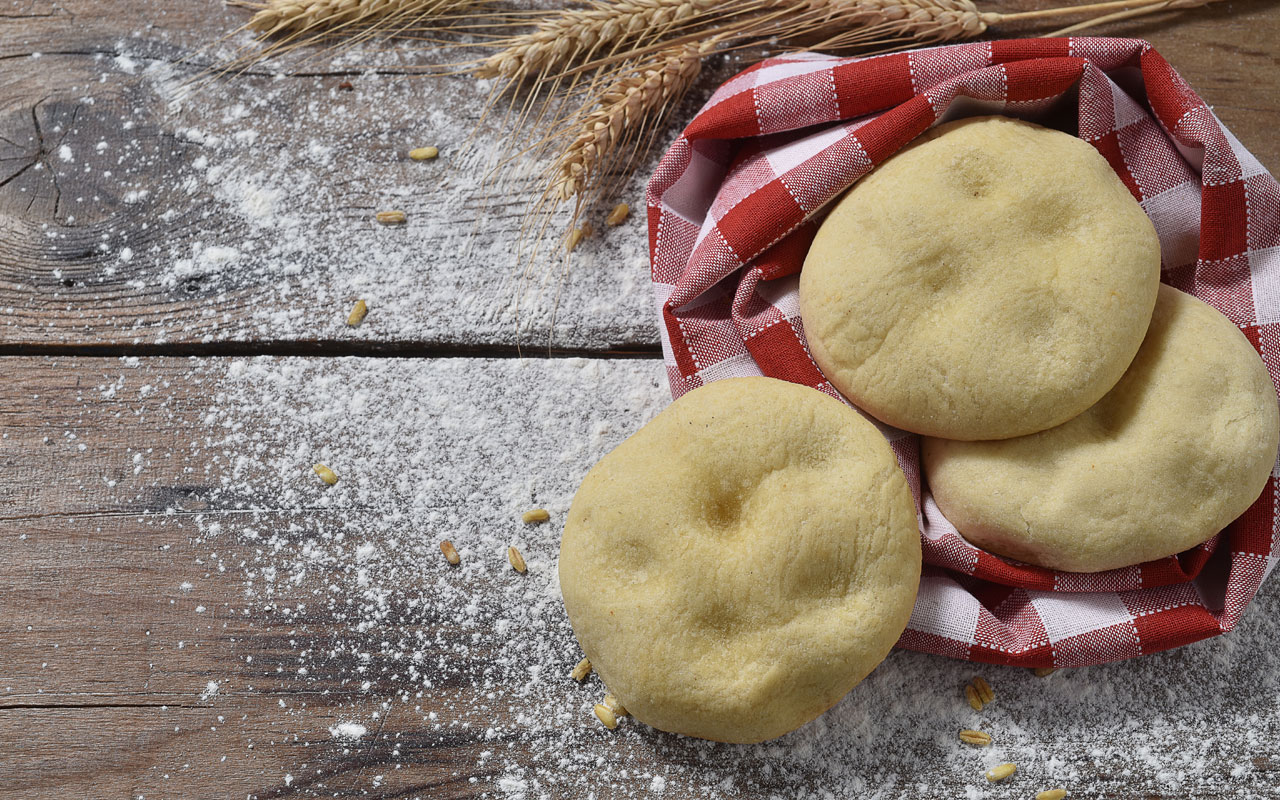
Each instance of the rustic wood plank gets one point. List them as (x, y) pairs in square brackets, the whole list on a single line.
[(240, 214), (159, 531)]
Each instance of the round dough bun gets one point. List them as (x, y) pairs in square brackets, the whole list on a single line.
[(992, 280), (737, 565), (1178, 449)]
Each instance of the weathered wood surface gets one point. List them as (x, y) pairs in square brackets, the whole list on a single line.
[(159, 529), (186, 612), (132, 216)]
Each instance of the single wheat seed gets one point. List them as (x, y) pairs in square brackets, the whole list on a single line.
[(327, 475), (517, 560), (424, 153), (450, 552), (391, 217), (576, 237), (978, 738), (616, 707), (971, 694), (605, 715), (1051, 794), (535, 515), (997, 774), (984, 690), (581, 671), (357, 314), (618, 215), (1044, 672)]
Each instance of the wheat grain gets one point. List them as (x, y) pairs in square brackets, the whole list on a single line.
[(971, 695), (424, 153), (976, 738), (606, 716), (985, 693), (618, 215), (999, 773), (581, 671), (516, 560), (614, 705), (577, 34), (576, 236), (327, 475), (624, 107), (450, 552), (357, 315), (535, 515), (1052, 794)]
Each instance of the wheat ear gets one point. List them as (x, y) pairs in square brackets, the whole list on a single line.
[(297, 16), (624, 108), (862, 22), (577, 34)]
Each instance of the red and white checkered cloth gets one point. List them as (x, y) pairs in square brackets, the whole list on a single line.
[(731, 215)]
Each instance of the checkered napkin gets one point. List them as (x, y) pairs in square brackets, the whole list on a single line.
[(732, 210)]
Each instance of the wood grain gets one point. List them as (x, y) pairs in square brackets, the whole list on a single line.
[(105, 80), (128, 584)]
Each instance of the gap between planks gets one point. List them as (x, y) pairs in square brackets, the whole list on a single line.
[(329, 349)]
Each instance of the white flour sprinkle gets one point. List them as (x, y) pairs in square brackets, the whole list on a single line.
[(280, 178), (348, 730), (475, 659)]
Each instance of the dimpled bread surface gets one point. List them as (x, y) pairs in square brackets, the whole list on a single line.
[(1178, 449), (736, 566), (993, 279)]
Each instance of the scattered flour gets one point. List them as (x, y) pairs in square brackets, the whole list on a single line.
[(348, 730), (416, 654)]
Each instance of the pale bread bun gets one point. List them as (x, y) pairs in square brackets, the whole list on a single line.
[(741, 562), (1179, 448), (992, 280)]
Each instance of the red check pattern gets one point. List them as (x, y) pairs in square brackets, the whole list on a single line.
[(732, 209)]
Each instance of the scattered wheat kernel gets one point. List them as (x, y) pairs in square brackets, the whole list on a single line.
[(618, 215), (971, 694), (973, 737), (1044, 672), (390, 217), (606, 716), (984, 690), (576, 237), (1052, 794), (357, 313), (517, 560), (614, 706), (327, 475), (1001, 772), (535, 515), (424, 153), (450, 552), (346, 86), (581, 671)]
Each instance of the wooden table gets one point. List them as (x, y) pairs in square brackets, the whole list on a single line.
[(185, 611)]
